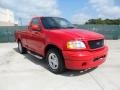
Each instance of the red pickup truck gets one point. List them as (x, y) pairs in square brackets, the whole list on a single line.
[(62, 45)]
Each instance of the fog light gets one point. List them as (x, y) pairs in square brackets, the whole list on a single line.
[(83, 64)]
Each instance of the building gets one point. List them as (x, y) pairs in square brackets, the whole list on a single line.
[(7, 17)]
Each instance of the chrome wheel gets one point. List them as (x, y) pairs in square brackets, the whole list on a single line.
[(53, 61)]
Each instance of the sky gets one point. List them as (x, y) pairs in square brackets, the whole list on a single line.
[(76, 11)]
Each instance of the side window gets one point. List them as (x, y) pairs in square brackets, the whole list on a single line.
[(35, 21)]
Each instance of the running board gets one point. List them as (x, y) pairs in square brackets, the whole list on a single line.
[(35, 55)]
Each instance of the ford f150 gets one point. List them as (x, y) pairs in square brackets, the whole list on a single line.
[(61, 44)]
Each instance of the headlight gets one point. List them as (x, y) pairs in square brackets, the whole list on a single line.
[(75, 45)]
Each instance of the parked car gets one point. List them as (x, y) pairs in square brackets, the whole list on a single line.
[(61, 44)]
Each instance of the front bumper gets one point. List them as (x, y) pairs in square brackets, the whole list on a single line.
[(77, 60)]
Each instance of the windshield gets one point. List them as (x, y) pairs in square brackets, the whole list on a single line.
[(56, 23)]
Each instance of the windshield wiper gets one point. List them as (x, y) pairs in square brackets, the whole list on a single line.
[(69, 27)]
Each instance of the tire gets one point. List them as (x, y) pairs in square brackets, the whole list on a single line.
[(55, 61), (21, 49)]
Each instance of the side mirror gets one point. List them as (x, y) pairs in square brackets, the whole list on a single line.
[(35, 27)]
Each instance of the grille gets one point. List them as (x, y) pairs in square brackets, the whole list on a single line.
[(94, 44)]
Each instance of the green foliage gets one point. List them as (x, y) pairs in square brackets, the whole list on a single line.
[(104, 22)]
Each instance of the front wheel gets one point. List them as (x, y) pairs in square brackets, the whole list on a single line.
[(21, 49), (55, 61)]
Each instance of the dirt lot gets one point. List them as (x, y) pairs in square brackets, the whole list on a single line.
[(25, 72)]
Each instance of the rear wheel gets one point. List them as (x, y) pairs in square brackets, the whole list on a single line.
[(21, 49), (55, 61)]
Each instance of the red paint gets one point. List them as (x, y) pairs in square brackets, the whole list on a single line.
[(37, 41)]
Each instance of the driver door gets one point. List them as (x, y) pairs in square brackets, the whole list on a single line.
[(37, 40)]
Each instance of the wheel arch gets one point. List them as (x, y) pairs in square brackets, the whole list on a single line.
[(18, 40), (52, 46)]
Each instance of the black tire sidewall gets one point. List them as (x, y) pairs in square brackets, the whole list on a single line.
[(23, 50), (19, 43)]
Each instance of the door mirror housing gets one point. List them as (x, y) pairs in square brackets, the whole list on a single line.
[(35, 27)]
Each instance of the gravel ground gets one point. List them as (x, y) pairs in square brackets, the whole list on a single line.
[(25, 72)]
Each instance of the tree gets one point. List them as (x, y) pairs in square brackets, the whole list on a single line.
[(104, 22)]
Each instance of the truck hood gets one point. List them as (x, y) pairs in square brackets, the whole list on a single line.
[(78, 34)]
